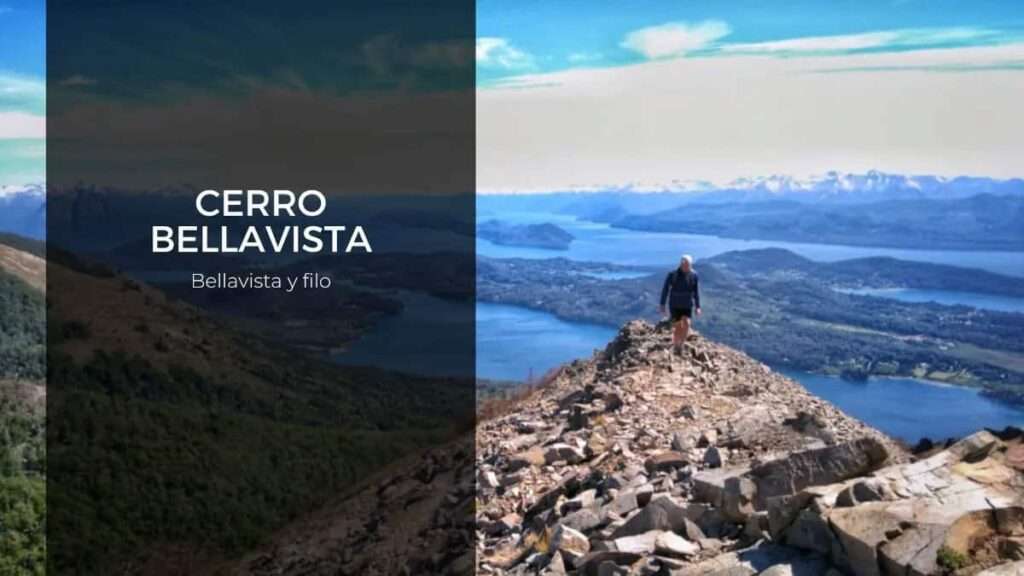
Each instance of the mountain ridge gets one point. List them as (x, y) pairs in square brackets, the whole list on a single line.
[(639, 462)]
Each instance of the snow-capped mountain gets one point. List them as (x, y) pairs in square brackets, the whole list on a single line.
[(23, 210), (872, 186)]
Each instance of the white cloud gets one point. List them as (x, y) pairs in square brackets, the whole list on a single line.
[(907, 38), (492, 52), (731, 116), (21, 125), (674, 38)]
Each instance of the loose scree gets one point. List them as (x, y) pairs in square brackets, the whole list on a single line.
[(277, 204)]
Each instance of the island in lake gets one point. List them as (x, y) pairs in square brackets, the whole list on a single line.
[(791, 313), (546, 235)]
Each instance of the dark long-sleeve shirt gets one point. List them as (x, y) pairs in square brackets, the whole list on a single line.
[(681, 289)]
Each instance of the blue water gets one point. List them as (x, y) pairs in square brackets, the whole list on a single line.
[(601, 243), (515, 343), (947, 297), (428, 338), (909, 409)]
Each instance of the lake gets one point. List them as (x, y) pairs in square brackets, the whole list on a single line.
[(601, 243), (947, 297), (909, 408), (514, 342)]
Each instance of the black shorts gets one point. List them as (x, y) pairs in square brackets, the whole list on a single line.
[(678, 313)]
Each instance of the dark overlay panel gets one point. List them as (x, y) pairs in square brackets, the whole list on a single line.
[(261, 274)]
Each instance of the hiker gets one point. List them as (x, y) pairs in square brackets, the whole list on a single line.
[(682, 291)]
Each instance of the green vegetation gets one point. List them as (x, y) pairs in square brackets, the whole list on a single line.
[(22, 480), (29, 245), (22, 330), (950, 560), (142, 456), (22, 422), (982, 222), (546, 235), (22, 526), (786, 312)]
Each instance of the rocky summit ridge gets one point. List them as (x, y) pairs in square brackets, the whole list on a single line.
[(643, 462)]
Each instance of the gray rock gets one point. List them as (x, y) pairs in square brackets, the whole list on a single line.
[(682, 442), (713, 457), (738, 499), (744, 431), (638, 544), (817, 467), (624, 503), (556, 567), (707, 438), (563, 452), (708, 485), (665, 461), (571, 543), (608, 568), (590, 564), (583, 520), (663, 513), (672, 544), (867, 490), (582, 500)]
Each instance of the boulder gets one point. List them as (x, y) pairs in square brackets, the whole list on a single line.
[(713, 457), (590, 564), (682, 442), (818, 467), (665, 461), (572, 544), (563, 452), (663, 513), (744, 431), (583, 520), (738, 498), (568, 485), (623, 504), (867, 490), (639, 543), (672, 544), (709, 484)]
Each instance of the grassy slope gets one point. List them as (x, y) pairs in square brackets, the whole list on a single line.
[(172, 431), (22, 411)]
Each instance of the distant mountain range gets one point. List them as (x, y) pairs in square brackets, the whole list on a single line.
[(830, 188), (871, 209), (23, 210), (872, 186)]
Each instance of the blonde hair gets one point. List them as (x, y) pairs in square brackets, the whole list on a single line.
[(688, 258)]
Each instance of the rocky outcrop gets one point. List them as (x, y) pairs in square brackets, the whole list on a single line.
[(641, 462), (710, 463)]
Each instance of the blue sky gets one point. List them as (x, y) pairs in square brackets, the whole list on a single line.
[(645, 93), (546, 36), (22, 92), (675, 94)]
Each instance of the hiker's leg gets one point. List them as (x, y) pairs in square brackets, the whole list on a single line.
[(678, 337), (683, 329)]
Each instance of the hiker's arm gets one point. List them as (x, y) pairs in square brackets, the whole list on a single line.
[(696, 293), (664, 292)]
